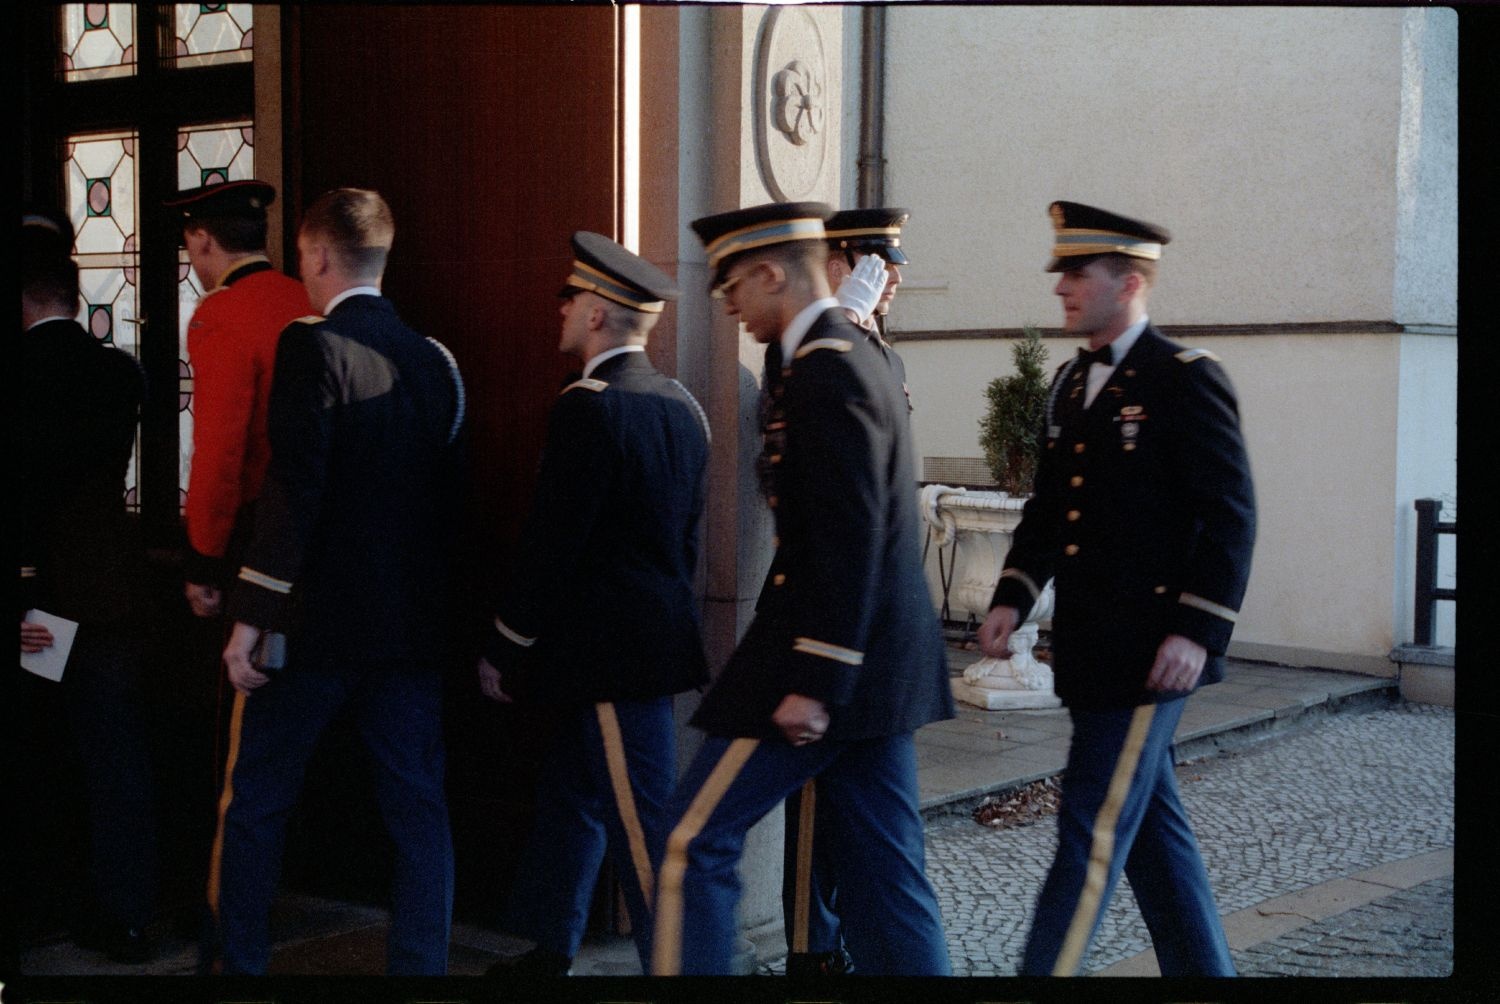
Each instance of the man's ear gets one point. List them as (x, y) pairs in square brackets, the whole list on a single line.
[(596, 317), (316, 258), (836, 268), (1131, 285), (778, 274), (197, 240)]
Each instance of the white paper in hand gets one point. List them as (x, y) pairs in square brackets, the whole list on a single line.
[(52, 660)]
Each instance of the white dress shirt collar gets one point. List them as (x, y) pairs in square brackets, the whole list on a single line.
[(353, 291), (794, 333), (1099, 373), (618, 350), (1122, 344)]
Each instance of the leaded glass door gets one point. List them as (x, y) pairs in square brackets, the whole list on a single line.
[(124, 105)]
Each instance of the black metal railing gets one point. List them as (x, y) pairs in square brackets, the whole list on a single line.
[(1429, 526)]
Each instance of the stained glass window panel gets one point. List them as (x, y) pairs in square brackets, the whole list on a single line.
[(101, 202), (211, 34), (98, 40), (210, 154), (206, 155)]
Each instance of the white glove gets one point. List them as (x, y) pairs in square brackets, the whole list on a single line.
[(860, 291)]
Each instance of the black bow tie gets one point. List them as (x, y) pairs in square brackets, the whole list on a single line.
[(1104, 356)]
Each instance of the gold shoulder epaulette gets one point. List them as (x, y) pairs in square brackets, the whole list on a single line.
[(1193, 355), (837, 344), (311, 319), (587, 383)]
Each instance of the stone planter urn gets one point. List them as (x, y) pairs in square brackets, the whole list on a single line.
[(969, 533)]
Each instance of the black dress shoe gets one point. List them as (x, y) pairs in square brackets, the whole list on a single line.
[(536, 962), (119, 942), (834, 963)]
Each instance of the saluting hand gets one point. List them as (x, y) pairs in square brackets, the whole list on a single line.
[(1179, 663), (860, 291), (994, 633), (802, 720), (489, 683), (243, 675)]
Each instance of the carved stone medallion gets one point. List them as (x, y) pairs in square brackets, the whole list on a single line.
[(793, 98)]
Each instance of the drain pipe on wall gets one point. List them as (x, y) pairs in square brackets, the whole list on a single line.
[(872, 107)]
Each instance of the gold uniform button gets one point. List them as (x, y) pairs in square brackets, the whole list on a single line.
[(1076, 480), (1077, 447), (1070, 550), (1073, 515), (1129, 446), (775, 458), (1159, 590), (775, 541), (771, 501), (778, 579)]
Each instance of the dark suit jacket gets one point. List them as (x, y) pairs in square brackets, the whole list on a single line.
[(847, 618), (602, 588), (76, 410), (350, 555), (1145, 514)]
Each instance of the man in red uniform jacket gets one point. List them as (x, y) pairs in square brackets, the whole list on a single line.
[(232, 346)]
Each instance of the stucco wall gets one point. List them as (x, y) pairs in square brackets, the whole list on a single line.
[(1265, 139)]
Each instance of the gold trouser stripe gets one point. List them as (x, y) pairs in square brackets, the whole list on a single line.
[(236, 718), (666, 955), (1103, 848), (619, 779), (807, 805)]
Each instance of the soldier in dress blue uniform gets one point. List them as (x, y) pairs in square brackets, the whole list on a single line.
[(349, 560), (598, 615), (863, 269), (844, 659), (1144, 513), (76, 408)]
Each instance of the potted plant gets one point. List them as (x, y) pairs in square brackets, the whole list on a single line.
[(1009, 429)]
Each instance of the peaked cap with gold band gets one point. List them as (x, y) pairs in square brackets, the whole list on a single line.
[(46, 234), (725, 236), (45, 220), (1084, 233), (244, 199), (601, 266), (868, 231)]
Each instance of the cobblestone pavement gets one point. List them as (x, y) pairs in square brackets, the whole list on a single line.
[(1406, 934), (1357, 791)]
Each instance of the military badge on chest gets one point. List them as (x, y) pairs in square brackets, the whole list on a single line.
[(773, 447), (1129, 422)]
